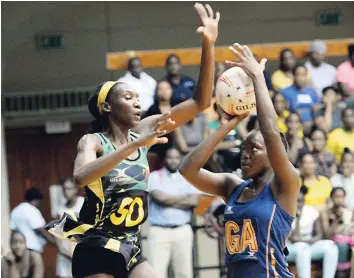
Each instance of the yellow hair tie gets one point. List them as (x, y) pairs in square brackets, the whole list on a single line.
[(102, 94)]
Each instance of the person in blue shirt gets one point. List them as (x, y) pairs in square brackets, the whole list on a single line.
[(259, 210), (300, 97)]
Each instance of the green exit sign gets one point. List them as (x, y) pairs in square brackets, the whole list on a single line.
[(50, 42), (330, 18)]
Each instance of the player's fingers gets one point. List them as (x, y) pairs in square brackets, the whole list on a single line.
[(162, 140), (237, 53), (263, 63), (210, 10), (201, 11), (231, 63), (217, 18), (240, 49), (248, 50)]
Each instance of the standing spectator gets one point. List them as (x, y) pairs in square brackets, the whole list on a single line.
[(162, 104), (301, 98), (73, 205), (342, 137), (319, 187), (27, 219), (143, 83), (345, 178), (345, 73), (322, 74), (21, 262), (283, 77), (338, 224), (328, 114), (326, 162), (306, 243), (183, 86), (298, 144), (170, 237)]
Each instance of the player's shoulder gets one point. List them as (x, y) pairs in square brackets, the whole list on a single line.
[(88, 141)]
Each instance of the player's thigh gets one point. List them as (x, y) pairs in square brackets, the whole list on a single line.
[(143, 270)]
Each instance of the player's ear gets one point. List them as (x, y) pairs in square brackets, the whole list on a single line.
[(106, 107)]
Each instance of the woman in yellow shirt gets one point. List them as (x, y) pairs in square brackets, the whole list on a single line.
[(319, 187)]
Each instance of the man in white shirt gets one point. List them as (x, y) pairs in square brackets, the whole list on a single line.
[(170, 238), (322, 74), (143, 83), (28, 219)]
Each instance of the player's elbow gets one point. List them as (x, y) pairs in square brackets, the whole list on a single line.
[(79, 180)]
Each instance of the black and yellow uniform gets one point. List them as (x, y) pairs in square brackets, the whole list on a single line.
[(108, 226)]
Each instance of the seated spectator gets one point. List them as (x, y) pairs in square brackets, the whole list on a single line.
[(183, 86), (298, 144), (170, 237), (345, 178), (319, 187), (338, 224), (328, 115), (143, 83), (345, 73), (21, 262), (307, 243), (326, 162), (342, 137), (27, 219), (322, 74), (280, 107), (73, 204), (283, 77), (301, 98)]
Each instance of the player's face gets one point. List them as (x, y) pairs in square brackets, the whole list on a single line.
[(125, 106), (70, 190), (301, 76), (173, 66), (164, 91), (173, 160), (338, 198), (318, 140), (308, 165), (254, 157), (18, 244)]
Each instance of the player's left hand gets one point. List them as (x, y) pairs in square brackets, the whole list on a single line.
[(247, 61), (209, 28), (232, 121)]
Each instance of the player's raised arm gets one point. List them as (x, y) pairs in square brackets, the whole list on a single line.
[(219, 184), (201, 100), (287, 177)]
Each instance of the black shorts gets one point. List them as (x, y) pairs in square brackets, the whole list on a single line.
[(89, 260)]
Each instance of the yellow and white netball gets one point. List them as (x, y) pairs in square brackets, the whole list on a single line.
[(235, 92)]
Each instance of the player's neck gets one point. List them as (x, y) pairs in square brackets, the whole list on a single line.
[(262, 179), (118, 133)]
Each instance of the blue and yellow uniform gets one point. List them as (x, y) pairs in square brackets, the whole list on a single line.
[(115, 207), (255, 234)]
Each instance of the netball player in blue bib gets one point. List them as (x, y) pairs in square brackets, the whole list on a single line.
[(259, 210)]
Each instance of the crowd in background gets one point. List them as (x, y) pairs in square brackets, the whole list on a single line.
[(314, 103)]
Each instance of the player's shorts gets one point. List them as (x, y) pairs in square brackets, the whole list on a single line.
[(89, 260)]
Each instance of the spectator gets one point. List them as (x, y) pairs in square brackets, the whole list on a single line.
[(338, 223), (283, 77), (143, 83), (161, 105), (345, 73), (27, 219), (183, 86), (280, 107), (319, 187), (306, 243), (73, 204), (298, 144), (322, 74), (301, 98), (170, 237), (328, 114), (21, 262), (345, 178), (342, 137), (326, 162)]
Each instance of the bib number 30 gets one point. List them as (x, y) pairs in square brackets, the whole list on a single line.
[(126, 210)]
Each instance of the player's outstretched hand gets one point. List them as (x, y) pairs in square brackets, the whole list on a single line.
[(233, 121), (247, 61), (209, 28)]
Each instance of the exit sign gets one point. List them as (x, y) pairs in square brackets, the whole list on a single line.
[(50, 41), (330, 18)]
